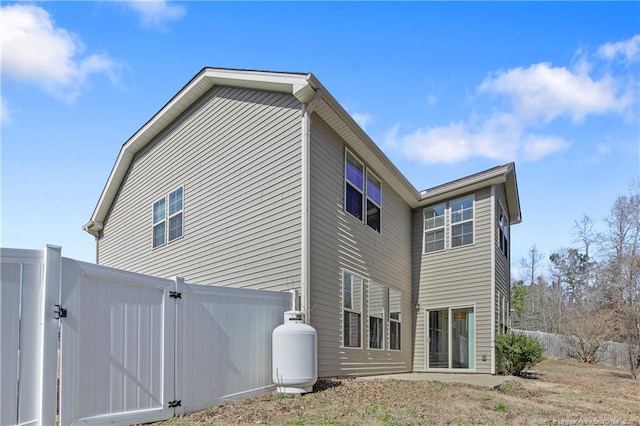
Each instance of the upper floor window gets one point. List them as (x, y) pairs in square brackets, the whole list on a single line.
[(362, 199), (434, 228), (374, 201), (159, 222), (503, 226), (462, 221), (354, 185), (167, 220)]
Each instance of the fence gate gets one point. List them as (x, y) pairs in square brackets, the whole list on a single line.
[(126, 374)]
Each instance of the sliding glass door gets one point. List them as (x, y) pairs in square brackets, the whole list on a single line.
[(451, 338)]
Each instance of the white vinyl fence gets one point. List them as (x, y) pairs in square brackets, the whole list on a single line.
[(132, 348), (559, 346)]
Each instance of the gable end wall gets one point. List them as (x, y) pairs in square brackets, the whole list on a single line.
[(237, 153)]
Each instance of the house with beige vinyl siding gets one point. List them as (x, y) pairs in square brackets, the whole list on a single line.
[(262, 180)]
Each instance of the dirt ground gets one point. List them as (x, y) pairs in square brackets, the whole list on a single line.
[(562, 393)]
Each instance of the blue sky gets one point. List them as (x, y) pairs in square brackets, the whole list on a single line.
[(446, 89)]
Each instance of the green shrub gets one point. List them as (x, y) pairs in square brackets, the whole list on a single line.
[(518, 352)]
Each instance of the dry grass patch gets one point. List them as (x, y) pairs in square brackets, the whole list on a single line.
[(562, 393)]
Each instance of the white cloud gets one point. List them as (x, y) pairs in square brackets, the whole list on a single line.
[(34, 50), (446, 144), (363, 119), (628, 49), (156, 13), (432, 100), (514, 106), (545, 92), (499, 138), (536, 147)]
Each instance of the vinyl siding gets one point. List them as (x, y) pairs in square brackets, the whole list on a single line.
[(237, 154), (456, 277), (340, 241), (503, 271)]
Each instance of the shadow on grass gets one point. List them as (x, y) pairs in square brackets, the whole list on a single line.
[(530, 375), (325, 383), (620, 375)]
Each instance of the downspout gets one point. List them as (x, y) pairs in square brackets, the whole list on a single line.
[(305, 220)]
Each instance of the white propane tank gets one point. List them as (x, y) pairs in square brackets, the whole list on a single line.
[(294, 351)]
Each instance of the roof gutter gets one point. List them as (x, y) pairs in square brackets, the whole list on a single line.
[(93, 228), (429, 196)]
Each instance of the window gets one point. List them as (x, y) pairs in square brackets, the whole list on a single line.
[(503, 226), (362, 197), (434, 228), (354, 185), (351, 310), (374, 201), (175, 214), (395, 319), (158, 223), (172, 216), (462, 221), (376, 316)]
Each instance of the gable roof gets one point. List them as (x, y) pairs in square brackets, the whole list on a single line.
[(304, 86), (505, 174)]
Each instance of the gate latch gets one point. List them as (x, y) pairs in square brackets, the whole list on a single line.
[(60, 312)]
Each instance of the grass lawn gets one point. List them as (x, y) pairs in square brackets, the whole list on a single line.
[(563, 393)]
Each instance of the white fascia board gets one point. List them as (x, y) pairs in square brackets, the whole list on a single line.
[(499, 175), (432, 197), (513, 198), (295, 84)]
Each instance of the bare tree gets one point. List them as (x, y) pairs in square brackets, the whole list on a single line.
[(532, 271), (620, 274), (584, 232), (586, 331)]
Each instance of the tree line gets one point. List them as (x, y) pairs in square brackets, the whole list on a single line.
[(590, 291)]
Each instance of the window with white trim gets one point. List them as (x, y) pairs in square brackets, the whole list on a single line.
[(353, 185), (159, 222), (362, 192), (503, 226), (395, 319), (167, 215), (351, 310), (376, 308), (374, 201), (434, 228), (462, 221)]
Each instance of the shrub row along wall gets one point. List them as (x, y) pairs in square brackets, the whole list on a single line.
[(559, 346)]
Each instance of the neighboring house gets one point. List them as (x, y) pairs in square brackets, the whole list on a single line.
[(261, 179)]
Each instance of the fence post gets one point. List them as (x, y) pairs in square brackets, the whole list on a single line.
[(48, 335), (179, 288)]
